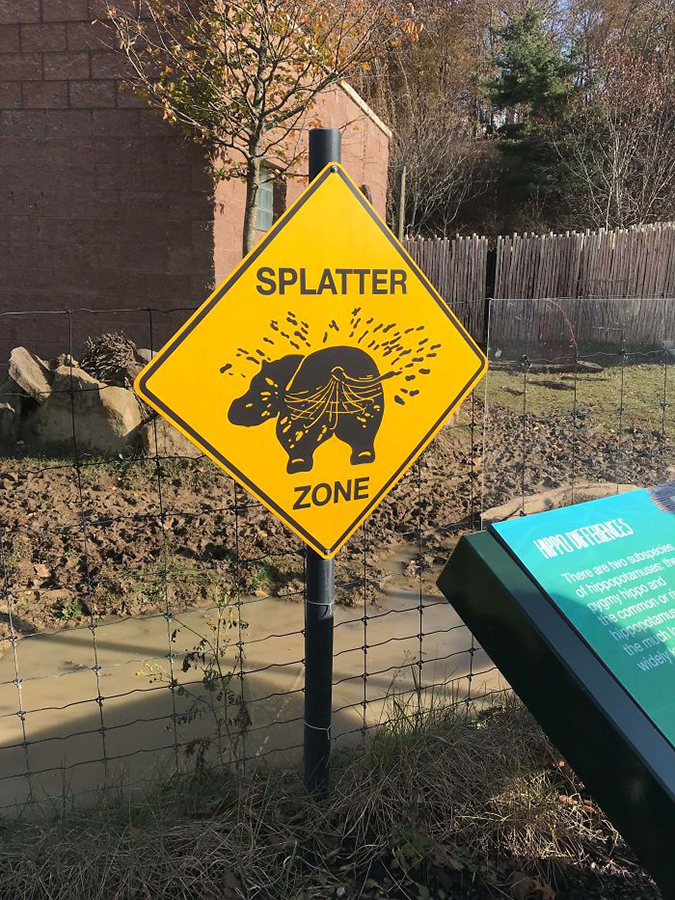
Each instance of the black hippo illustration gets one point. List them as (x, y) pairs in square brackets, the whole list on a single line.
[(334, 391)]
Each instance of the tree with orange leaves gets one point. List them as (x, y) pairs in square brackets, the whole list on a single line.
[(241, 77)]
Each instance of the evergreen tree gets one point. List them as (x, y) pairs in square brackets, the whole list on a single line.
[(532, 90)]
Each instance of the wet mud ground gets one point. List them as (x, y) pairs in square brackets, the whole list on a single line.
[(118, 544), (136, 536)]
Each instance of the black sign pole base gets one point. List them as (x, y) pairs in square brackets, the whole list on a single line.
[(318, 670), (324, 148)]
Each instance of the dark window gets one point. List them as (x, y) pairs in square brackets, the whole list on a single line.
[(264, 214), (271, 198)]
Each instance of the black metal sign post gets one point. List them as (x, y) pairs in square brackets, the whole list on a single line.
[(324, 148), (327, 234), (318, 670)]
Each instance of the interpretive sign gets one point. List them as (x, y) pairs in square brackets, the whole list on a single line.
[(320, 370), (576, 607), (609, 567)]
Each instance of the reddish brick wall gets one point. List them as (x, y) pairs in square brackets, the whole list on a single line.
[(365, 156), (102, 206)]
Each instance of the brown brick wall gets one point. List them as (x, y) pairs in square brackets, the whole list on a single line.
[(102, 206), (365, 156)]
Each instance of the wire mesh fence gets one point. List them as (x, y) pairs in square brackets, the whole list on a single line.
[(152, 611)]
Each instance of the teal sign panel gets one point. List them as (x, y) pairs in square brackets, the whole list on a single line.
[(609, 567)]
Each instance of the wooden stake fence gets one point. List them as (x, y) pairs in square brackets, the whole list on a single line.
[(635, 263), (456, 267)]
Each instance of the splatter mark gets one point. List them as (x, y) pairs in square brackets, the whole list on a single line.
[(404, 354)]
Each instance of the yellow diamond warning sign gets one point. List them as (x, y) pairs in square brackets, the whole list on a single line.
[(320, 370)]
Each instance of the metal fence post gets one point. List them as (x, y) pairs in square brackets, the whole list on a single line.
[(324, 148)]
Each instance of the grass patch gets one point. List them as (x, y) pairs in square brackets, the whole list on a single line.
[(599, 397), (72, 611), (442, 804), (13, 556)]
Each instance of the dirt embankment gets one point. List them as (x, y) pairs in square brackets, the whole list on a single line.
[(137, 535)]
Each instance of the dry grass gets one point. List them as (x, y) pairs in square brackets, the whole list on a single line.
[(438, 800)]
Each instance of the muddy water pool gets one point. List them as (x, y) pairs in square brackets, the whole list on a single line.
[(97, 706)]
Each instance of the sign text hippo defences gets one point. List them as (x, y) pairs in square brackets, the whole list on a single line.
[(317, 373)]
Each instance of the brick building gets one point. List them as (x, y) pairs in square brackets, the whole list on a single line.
[(103, 207)]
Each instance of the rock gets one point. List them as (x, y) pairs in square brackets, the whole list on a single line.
[(106, 419), (170, 442), (65, 359), (31, 374), (145, 355), (553, 499)]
